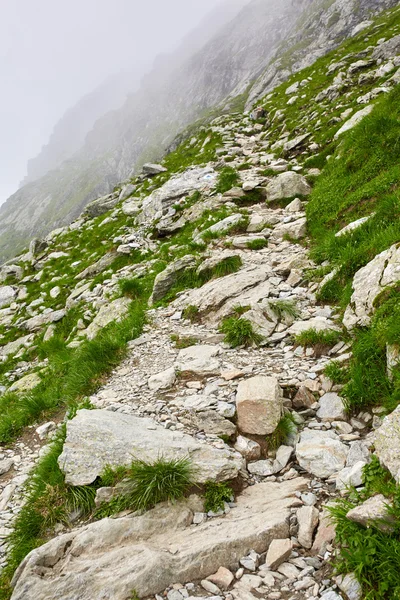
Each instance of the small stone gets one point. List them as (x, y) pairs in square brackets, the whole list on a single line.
[(308, 518), (349, 585), (6, 465), (278, 552), (248, 448), (223, 578), (331, 408), (210, 587), (44, 430), (304, 398)]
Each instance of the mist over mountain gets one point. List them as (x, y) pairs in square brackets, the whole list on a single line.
[(239, 52)]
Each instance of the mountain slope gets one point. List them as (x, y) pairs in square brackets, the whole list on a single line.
[(125, 139), (267, 260)]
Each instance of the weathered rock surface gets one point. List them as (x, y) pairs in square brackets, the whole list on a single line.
[(200, 360), (259, 405), (96, 438), (115, 311), (321, 453), (287, 185), (372, 511), (170, 276), (331, 408), (110, 558), (7, 295), (368, 283), (387, 443), (308, 517), (354, 120)]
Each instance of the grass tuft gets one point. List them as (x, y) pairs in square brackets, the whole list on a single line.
[(215, 496), (239, 332), (285, 428)]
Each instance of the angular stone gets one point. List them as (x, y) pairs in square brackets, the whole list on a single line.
[(100, 206), (170, 276), (350, 476), (99, 266), (6, 465), (331, 408), (308, 518), (287, 185), (325, 533), (153, 169), (387, 443), (225, 225), (44, 430), (151, 552), (211, 422), (223, 578), (262, 468), (97, 438), (295, 229), (7, 295), (108, 313), (316, 323), (349, 585), (248, 448), (14, 346), (373, 511), (321, 453), (36, 323), (183, 184), (278, 552), (382, 271), (218, 297), (259, 405), (163, 380), (304, 398), (199, 360)]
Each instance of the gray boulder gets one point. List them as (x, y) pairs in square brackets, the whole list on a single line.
[(368, 283), (153, 169), (108, 313), (387, 443), (321, 453), (7, 295), (287, 185), (170, 276), (96, 438), (101, 205)]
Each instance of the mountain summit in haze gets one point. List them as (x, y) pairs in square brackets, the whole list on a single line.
[(236, 54)]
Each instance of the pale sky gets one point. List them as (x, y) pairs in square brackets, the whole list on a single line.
[(52, 52)]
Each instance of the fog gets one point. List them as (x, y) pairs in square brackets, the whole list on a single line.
[(52, 52)]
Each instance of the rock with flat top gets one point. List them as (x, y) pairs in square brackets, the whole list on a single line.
[(259, 405), (97, 438), (148, 553), (373, 511), (153, 169), (331, 408), (222, 578), (163, 380), (199, 360)]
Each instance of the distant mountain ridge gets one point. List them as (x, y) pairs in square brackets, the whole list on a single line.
[(248, 55)]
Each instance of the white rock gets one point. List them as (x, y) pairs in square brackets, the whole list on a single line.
[(354, 120), (200, 360), (278, 552), (248, 448), (349, 585), (321, 453), (350, 476), (287, 185), (331, 408), (163, 380), (387, 443), (115, 556)]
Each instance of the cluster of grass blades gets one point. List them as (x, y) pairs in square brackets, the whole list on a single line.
[(284, 308), (215, 496), (239, 332), (320, 341), (228, 178), (284, 430)]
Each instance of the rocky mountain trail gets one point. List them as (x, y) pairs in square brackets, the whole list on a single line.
[(187, 317)]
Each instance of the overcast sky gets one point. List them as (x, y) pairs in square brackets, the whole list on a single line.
[(52, 52)]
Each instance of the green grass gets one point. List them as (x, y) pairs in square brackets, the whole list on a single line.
[(191, 313), (284, 308), (257, 244), (71, 374), (336, 373), (239, 332), (228, 265), (322, 340), (132, 288), (285, 428), (183, 342), (215, 496), (146, 484), (228, 179), (372, 554)]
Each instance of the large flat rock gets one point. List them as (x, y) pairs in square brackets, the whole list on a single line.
[(219, 296), (96, 438), (108, 559), (387, 443)]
